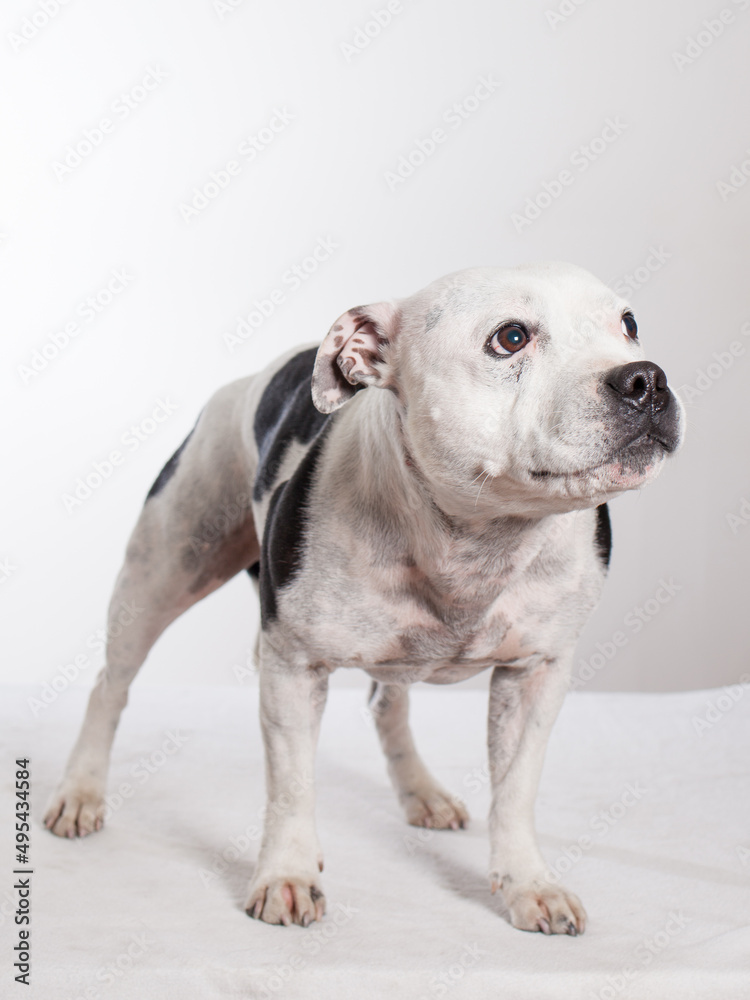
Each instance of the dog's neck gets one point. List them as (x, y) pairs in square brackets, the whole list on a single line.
[(423, 520)]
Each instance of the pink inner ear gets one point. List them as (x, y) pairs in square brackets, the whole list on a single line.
[(359, 354), (349, 354)]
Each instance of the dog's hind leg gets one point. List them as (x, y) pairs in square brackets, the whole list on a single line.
[(196, 531), (425, 801)]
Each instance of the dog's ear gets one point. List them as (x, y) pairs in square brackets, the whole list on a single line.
[(353, 355)]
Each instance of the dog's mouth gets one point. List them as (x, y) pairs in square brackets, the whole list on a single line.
[(626, 466)]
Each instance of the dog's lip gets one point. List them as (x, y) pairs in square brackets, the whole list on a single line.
[(616, 456)]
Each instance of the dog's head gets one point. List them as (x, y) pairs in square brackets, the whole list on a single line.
[(517, 390)]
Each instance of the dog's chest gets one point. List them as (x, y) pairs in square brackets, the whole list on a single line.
[(458, 630), (447, 619)]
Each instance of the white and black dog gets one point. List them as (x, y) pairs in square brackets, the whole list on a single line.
[(449, 520)]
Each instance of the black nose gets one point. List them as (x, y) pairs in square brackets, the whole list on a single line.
[(641, 385)]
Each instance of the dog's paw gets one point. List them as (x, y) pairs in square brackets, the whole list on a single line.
[(539, 906), (75, 809), (291, 900), (435, 808)]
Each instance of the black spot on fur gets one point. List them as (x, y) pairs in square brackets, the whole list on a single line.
[(286, 412), (284, 535), (603, 535), (254, 570), (168, 471), (433, 318)]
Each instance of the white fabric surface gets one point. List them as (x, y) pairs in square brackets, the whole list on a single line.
[(404, 907)]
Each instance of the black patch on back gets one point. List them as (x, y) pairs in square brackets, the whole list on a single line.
[(286, 412), (168, 471), (284, 535), (603, 535)]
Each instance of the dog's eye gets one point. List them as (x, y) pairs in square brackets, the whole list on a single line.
[(509, 339), (629, 326)]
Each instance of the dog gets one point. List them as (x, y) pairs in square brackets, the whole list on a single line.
[(423, 496)]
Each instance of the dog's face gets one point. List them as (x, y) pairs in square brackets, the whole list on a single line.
[(525, 388)]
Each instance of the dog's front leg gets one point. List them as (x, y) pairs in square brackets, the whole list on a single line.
[(285, 888), (524, 704)]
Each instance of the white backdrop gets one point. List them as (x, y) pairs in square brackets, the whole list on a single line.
[(168, 168)]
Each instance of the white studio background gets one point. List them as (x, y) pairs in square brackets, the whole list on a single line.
[(114, 113)]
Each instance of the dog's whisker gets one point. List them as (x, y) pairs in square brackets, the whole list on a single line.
[(482, 472), (486, 477)]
